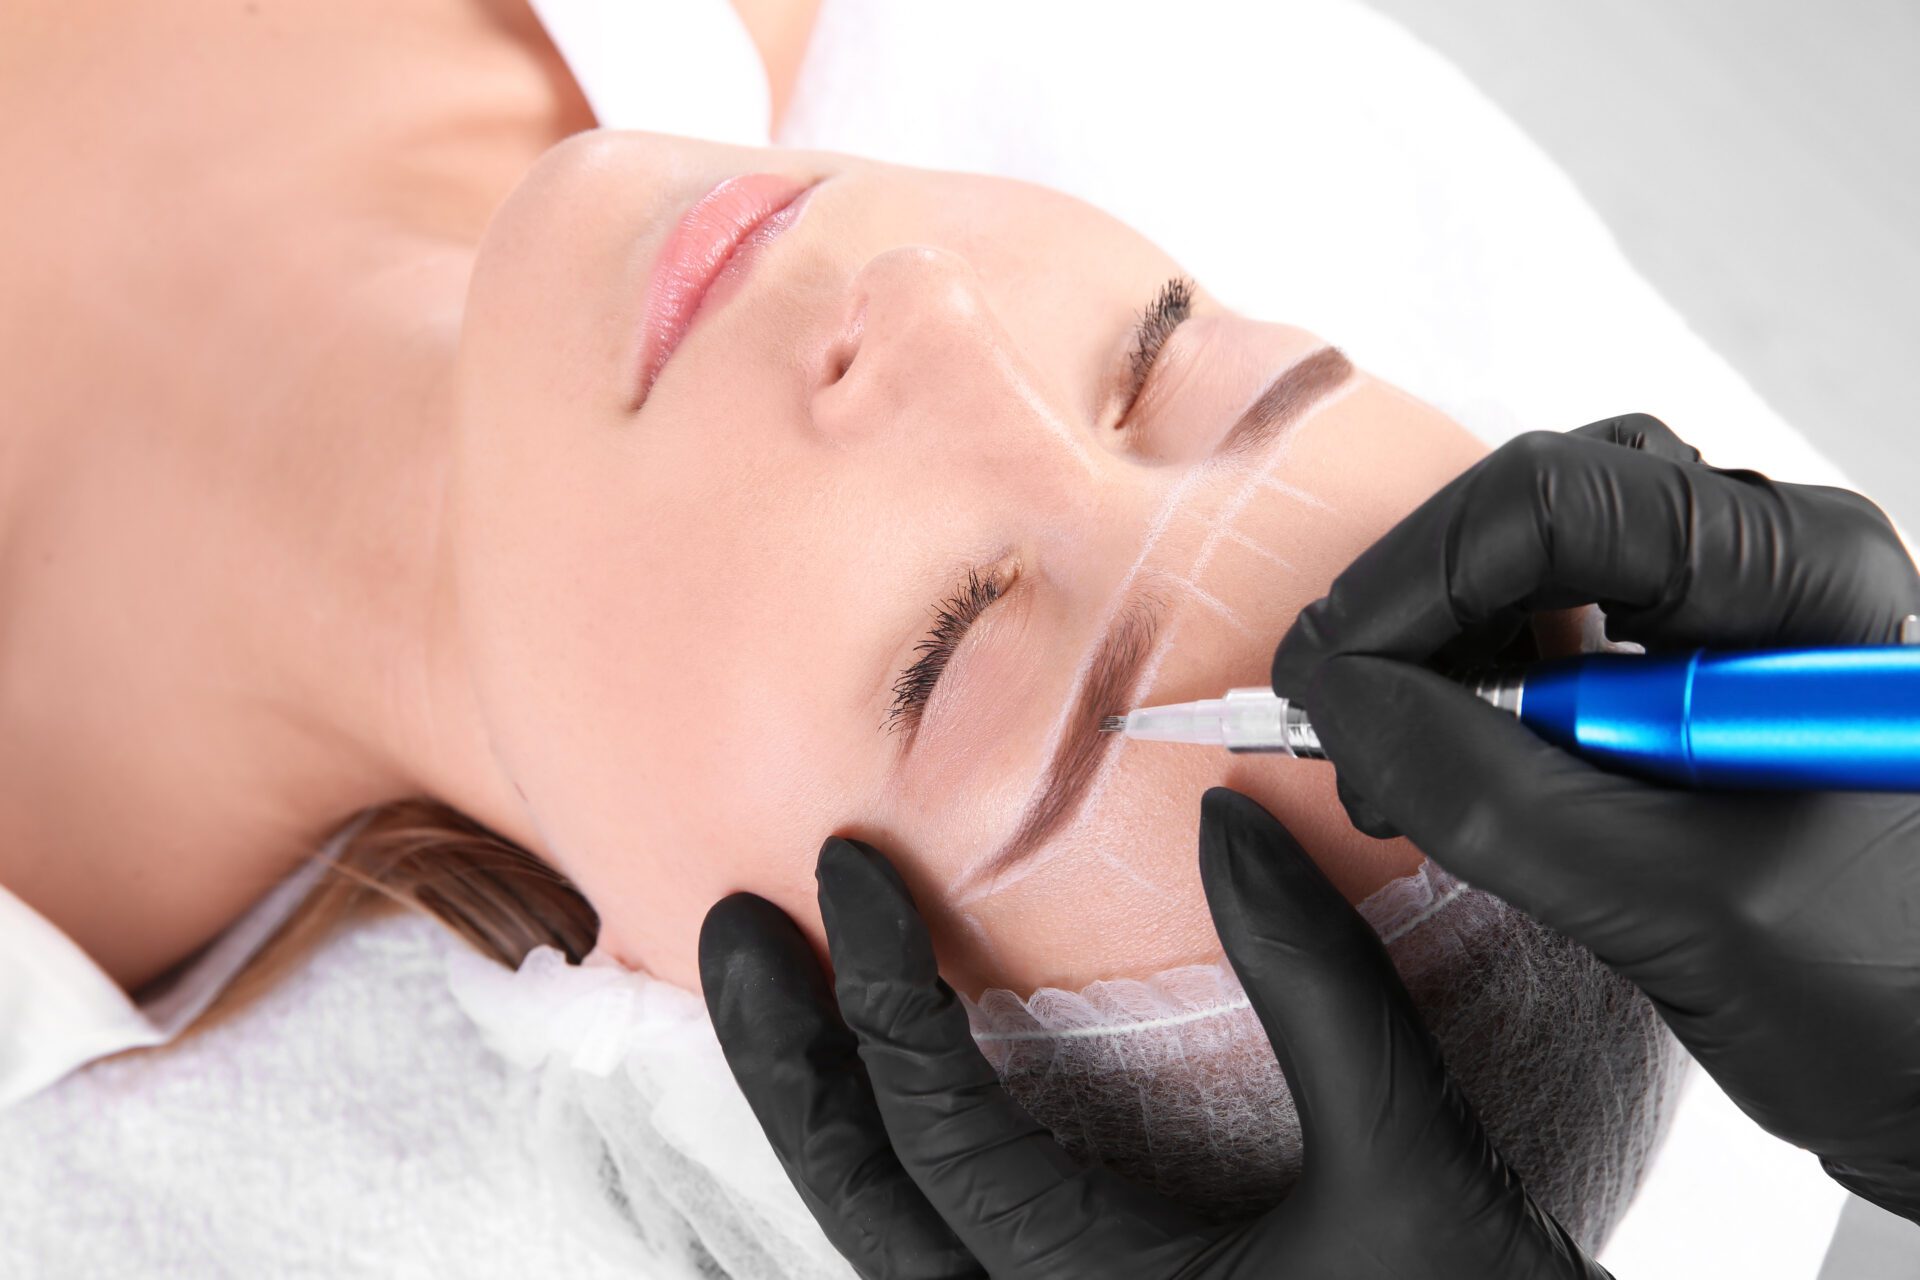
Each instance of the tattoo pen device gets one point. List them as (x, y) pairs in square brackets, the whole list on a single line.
[(1783, 719)]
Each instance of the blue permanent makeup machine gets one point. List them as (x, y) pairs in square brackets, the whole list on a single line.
[(1781, 719)]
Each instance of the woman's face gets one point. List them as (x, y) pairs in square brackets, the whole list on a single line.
[(917, 500)]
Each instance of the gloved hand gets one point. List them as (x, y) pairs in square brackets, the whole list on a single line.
[(1778, 934), (917, 1164)]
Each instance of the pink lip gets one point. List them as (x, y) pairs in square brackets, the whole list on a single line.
[(720, 235)]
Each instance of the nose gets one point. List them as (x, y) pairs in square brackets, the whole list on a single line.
[(925, 374), (917, 332)]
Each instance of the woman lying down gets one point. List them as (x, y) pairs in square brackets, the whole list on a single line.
[(613, 518)]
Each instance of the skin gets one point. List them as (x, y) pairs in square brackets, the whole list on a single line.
[(684, 621), (654, 647)]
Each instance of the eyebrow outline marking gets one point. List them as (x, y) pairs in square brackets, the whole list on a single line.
[(1284, 401), (1112, 680), (1060, 795)]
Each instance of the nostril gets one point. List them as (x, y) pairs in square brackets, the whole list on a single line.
[(846, 343), (839, 361)]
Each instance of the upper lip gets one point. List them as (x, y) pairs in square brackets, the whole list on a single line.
[(698, 249)]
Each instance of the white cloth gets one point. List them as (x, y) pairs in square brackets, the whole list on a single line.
[(353, 1124), (59, 1010), (349, 1124), (1725, 1199), (634, 1104)]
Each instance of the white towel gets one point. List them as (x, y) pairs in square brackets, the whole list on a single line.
[(350, 1124)]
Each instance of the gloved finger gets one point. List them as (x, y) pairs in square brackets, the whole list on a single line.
[(1003, 1184), (1376, 1105), (1502, 808), (1640, 431), (1365, 818), (1488, 639), (799, 1067), (1484, 642), (1678, 554)]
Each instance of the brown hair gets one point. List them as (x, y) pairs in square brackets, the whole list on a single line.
[(419, 854)]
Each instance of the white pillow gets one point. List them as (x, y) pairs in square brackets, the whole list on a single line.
[(1310, 161)]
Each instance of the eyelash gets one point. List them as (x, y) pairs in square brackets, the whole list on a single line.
[(951, 619), (1169, 308), (954, 615)]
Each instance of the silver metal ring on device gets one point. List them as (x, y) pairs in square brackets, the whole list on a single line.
[(1503, 688), (1302, 740)]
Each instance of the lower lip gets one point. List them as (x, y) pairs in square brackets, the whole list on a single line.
[(719, 235)]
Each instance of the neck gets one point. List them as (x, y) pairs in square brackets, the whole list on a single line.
[(248, 629), (403, 701)]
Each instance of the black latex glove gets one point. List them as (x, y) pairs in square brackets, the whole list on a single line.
[(1778, 934), (917, 1164)]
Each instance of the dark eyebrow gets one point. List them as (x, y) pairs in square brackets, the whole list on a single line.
[(1285, 399), (1113, 677), (1111, 685)]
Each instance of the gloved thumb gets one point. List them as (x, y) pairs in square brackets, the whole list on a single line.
[(1375, 1102), (1475, 789)]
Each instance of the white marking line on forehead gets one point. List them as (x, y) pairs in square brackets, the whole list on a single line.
[(1240, 539), (1230, 511), (981, 935), (1163, 643), (1294, 491), (1216, 604), (1063, 431), (1109, 858), (1224, 521), (1156, 530)]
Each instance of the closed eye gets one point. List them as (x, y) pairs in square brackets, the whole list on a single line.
[(1170, 308), (952, 618)]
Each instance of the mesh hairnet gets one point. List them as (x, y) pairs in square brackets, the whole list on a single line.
[(1169, 1079), (1172, 1081)]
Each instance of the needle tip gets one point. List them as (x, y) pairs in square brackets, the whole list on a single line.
[(1113, 724)]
